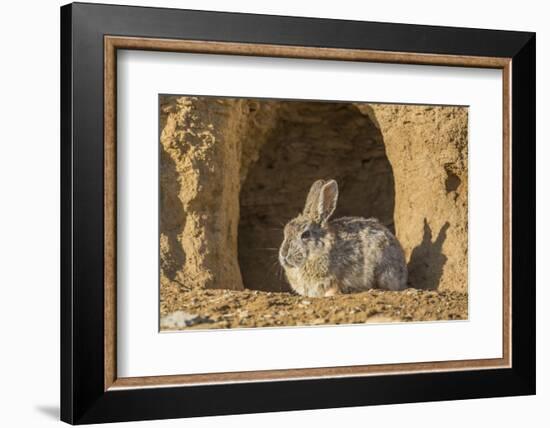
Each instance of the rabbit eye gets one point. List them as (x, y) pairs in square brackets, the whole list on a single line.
[(305, 235)]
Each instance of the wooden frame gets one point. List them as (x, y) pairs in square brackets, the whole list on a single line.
[(112, 43), (511, 52)]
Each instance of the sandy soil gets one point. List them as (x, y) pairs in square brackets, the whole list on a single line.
[(200, 308)]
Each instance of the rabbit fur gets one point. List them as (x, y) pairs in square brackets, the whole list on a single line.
[(347, 255)]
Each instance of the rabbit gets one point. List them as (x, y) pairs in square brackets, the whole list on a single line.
[(323, 258)]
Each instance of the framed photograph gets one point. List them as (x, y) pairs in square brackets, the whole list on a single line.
[(266, 213)]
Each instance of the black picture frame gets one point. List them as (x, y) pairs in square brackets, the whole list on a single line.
[(83, 398)]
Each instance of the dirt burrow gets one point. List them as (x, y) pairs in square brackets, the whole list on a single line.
[(234, 171)]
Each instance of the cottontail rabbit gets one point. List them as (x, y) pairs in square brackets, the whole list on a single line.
[(346, 255)]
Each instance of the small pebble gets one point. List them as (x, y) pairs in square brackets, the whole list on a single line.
[(180, 319)]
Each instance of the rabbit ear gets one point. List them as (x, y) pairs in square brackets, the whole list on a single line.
[(328, 196), (312, 200)]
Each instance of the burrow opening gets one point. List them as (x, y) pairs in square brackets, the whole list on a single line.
[(309, 140)]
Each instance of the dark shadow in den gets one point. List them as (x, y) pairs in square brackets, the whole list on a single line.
[(310, 140)]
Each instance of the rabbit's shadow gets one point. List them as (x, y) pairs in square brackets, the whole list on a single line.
[(427, 259)]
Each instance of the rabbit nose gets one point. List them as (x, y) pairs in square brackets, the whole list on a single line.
[(284, 249), (283, 253)]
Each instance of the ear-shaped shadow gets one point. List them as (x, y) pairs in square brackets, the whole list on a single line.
[(427, 260)]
